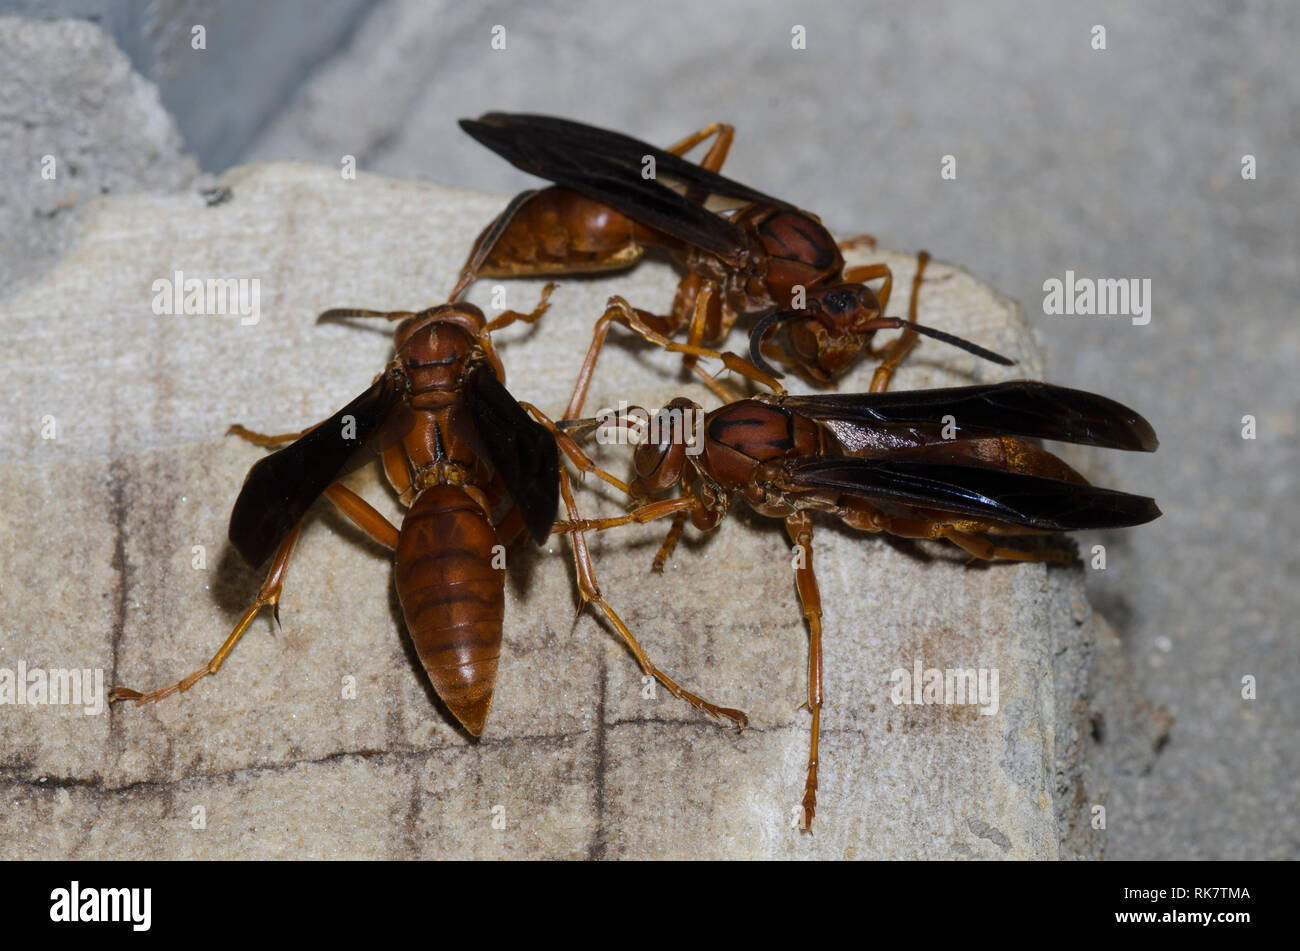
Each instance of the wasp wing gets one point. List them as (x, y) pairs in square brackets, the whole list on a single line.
[(280, 488), (974, 491), (608, 167), (673, 171), (1017, 408), (521, 450)]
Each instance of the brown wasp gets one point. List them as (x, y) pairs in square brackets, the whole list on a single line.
[(951, 463), (457, 448), (768, 259)]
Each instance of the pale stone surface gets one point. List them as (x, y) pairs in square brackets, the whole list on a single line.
[(99, 527)]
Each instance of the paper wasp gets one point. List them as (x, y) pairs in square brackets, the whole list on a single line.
[(951, 463), (457, 448), (769, 260)]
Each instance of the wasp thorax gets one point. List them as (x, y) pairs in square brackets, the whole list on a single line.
[(799, 249)]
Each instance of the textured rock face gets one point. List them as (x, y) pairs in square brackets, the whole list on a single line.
[(102, 528), (76, 122)]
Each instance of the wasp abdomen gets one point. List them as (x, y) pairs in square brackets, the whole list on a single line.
[(453, 598), (559, 231)]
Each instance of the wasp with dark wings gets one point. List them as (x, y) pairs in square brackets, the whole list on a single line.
[(953, 464), (616, 196), (475, 471)]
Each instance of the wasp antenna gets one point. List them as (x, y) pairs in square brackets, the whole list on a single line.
[(759, 331), (347, 313), (961, 344), (881, 323)]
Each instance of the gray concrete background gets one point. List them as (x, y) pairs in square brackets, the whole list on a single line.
[(1116, 163), (254, 55)]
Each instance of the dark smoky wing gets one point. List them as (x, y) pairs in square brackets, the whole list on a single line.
[(607, 166), (977, 492), (521, 450), (280, 488), (624, 149), (1016, 408)]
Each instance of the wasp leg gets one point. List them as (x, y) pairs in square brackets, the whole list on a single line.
[(670, 541), (640, 515), (268, 595), (354, 507), (589, 590), (980, 547), (893, 354), (858, 241), (713, 159), (717, 153), (799, 528), (508, 317), (701, 293), (364, 515), (570, 448), (861, 515), (872, 272)]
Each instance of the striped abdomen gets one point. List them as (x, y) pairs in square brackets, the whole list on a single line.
[(453, 598)]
